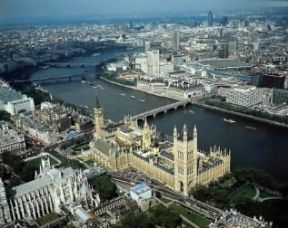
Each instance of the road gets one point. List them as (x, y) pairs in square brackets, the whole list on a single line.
[(185, 201)]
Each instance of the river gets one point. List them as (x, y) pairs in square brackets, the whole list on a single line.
[(260, 145)]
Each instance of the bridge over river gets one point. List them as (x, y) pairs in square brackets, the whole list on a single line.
[(68, 78), (163, 109)]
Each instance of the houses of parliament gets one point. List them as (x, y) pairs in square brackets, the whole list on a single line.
[(177, 163)]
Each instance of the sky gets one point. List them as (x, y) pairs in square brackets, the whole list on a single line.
[(29, 10)]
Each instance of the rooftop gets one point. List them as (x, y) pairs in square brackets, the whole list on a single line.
[(141, 188), (41, 182), (225, 63)]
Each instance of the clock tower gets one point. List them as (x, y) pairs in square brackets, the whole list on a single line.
[(98, 118)]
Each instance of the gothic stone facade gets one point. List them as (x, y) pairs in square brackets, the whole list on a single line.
[(177, 163), (51, 189)]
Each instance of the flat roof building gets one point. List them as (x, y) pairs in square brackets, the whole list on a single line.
[(225, 64), (141, 192), (11, 140), (14, 102)]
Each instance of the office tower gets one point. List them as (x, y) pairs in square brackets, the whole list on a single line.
[(224, 51), (176, 41), (147, 46), (210, 19), (5, 216), (225, 21), (153, 62)]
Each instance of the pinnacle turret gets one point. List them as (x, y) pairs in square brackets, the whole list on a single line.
[(97, 102)]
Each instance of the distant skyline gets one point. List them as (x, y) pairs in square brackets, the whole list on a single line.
[(59, 10)]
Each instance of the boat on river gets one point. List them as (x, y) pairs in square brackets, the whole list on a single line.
[(132, 97), (142, 100), (122, 94), (229, 120), (250, 128), (45, 67)]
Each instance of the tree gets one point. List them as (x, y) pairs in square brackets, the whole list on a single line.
[(201, 192), (13, 160), (132, 220), (165, 217), (4, 116), (107, 190)]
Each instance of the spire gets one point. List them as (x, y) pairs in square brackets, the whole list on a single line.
[(185, 133), (146, 123), (194, 132), (97, 102), (175, 133)]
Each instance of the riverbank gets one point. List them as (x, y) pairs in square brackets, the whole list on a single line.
[(258, 119), (250, 117), (135, 88)]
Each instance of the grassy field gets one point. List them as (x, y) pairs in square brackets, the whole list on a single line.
[(192, 216), (90, 162), (36, 162), (265, 194), (243, 194), (164, 200)]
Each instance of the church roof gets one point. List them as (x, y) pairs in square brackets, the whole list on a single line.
[(167, 155), (104, 147), (52, 176)]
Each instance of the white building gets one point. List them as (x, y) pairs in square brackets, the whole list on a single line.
[(246, 96), (14, 102), (153, 62), (166, 68), (51, 190), (11, 140), (141, 193), (5, 216), (141, 63), (120, 65)]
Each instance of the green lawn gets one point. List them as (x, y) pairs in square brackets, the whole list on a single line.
[(243, 194), (84, 147), (47, 218), (90, 162), (265, 194), (164, 200), (36, 162), (191, 215), (228, 183)]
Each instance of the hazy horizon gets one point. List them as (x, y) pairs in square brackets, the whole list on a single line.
[(66, 10)]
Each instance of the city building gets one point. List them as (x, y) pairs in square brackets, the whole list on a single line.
[(14, 102), (178, 163), (11, 140), (224, 64), (233, 218), (176, 41), (5, 217), (210, 19), (141, 192), (52, 122), (246, 96), (36, 129), (147, 46), (52, 190), (153, 62)]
